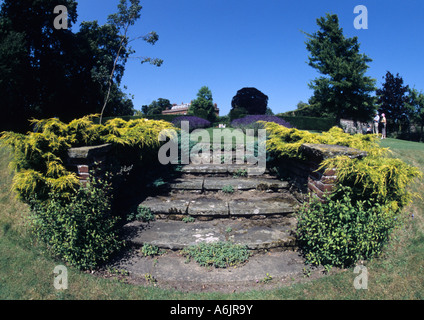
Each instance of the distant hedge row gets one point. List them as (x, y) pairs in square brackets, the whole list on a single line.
[(166, 117), (301, 123), (310, 123)]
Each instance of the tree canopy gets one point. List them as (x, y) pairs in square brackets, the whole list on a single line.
[(203, 106), (47, 72), (156, 107), (343, 89), (248, 101), (393, 98)]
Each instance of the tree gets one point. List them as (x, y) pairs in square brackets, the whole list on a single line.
[(156, 107), (343, 89), (203, 106), (416, 105), (93, 46), (248, 101), (47, 72), (393, 99), (122, 20), (33, 60)]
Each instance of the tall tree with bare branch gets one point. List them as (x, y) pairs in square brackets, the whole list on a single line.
[(126, 17)]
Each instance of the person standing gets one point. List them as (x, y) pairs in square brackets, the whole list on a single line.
[(375, 125), (384, 126)]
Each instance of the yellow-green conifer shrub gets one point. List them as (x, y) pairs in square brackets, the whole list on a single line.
[(377, 175), (39, 155), (75, 222), (357, 219)]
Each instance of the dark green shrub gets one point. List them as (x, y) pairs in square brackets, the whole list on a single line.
[(342, 231), (80, 230)]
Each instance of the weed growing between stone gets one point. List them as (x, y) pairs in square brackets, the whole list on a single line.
[(217, 254)]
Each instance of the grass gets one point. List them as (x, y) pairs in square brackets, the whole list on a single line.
[(232, 135), (26, 270)]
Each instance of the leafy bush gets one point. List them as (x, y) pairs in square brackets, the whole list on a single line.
[(39, 156), (370, 194), (251, 122), (377, 175), (284, 142), (75, 222), (342, 231), (81, 229), (217, 254), (194, 122), (382, 178)]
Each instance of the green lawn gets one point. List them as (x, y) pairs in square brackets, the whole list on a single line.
[(228, 135), (26, 272)]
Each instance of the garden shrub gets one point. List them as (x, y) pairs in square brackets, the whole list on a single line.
[(76, 222), (356, 221), (40, 155), (285, 142), (377, 175), (81, 230), (341, 231)]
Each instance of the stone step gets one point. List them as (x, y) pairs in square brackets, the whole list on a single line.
[(211, 183), (176, 235), (223, 169), (253, 206), (215, 184)]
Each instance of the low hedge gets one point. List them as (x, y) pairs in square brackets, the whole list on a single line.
[(310, 123)]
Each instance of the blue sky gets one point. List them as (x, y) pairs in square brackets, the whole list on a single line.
[(230, 44)]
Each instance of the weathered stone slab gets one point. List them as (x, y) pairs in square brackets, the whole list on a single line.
[(223, 168), (166, 205), (269, 236), (89, 152), (187, 184), (205, 169), (266, 207), (319, 152), (176, 235), (214, 184), (208, 207)]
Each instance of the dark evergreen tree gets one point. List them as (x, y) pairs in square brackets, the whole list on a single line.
[(34, 56), (393, 98), (248, 101), (343, 89), (203, 106), (416, 105)]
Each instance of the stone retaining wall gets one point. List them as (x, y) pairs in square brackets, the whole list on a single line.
[(304, 175), (85, 159)]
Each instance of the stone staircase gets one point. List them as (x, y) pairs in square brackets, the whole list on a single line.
[(217, 202)]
